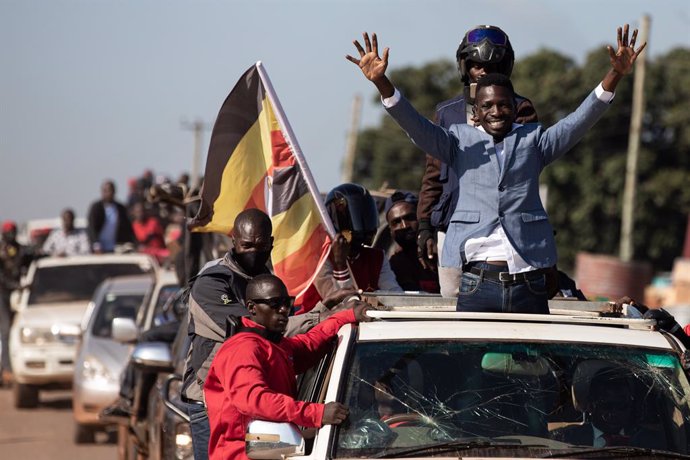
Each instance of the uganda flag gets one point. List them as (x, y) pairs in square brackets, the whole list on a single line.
[(255, 162)]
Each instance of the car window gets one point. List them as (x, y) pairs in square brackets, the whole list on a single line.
[(114, 306), (161, 311), (73, 283), (311, 386), (411, 394)]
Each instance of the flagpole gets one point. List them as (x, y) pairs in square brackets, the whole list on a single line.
[(297, 150)]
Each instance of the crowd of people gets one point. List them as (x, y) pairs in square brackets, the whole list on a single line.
[(476, 231), (144, 224)]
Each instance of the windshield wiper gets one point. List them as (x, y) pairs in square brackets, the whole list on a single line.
[(454, 445), (603, 452)]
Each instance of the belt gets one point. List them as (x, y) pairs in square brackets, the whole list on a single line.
[(506, 277)]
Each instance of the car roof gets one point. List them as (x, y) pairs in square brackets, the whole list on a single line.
[(96, 259), (430, 317), (507, 330), (128, 284)]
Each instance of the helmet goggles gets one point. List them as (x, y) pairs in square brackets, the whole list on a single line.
[(495, 36), (485, 45)]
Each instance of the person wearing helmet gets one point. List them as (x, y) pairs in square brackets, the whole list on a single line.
[(355, 217), (484, 49)]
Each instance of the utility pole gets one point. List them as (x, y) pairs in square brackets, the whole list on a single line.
[(198, 127), (351, 146), (638, 104)]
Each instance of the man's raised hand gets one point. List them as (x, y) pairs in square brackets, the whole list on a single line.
[(372, 66), (624, 57)]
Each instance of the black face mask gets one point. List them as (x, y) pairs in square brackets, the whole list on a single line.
[(253, 263), (406, 238)]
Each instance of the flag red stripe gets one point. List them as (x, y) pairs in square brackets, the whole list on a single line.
[(281, 151), (257, 199), (295, 273)]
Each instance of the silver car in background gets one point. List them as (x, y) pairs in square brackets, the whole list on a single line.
[(100, 359)]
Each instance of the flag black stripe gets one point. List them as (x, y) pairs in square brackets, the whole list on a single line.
[(237, 115), (288, 186)]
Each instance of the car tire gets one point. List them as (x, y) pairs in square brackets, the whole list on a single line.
[(84, 434), (24, 396)]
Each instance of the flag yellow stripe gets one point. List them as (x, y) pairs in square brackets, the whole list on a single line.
[(292, 228), (247, 166)]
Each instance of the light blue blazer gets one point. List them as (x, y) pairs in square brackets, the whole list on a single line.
[(490, 194)]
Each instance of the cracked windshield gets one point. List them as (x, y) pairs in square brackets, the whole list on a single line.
[(405, 397)]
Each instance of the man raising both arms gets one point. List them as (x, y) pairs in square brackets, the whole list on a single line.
[(483, 50), (500, 230)]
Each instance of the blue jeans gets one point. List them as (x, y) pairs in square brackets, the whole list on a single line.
[(200, 428), (481, 294)]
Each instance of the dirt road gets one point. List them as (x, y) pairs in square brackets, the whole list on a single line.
[(45, 433)]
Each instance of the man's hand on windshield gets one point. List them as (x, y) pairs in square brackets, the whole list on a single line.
[(335, 297), (334, 414), (360, 309)]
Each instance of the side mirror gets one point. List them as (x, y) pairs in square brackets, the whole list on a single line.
[(271, 440), (16, 298), (154, 356), (124, 330)]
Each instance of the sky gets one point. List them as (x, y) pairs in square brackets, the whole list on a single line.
[(97, 89)]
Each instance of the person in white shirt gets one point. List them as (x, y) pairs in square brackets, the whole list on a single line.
[(68, 240)]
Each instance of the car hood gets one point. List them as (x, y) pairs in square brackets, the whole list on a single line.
[(46, 316), (112, 354)]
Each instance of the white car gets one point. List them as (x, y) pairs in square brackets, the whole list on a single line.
[(47, 326), (423, 383)]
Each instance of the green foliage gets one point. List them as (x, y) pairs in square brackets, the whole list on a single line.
[(585, 188)]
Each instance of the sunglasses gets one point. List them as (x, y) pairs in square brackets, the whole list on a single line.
[(497, 37), (276, 303)]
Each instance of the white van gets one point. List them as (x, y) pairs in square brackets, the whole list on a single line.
[(47, 326)]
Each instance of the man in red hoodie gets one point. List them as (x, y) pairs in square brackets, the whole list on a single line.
[(253, 374)]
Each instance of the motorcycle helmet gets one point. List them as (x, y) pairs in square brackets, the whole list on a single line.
[(485, 44), (353, 212)]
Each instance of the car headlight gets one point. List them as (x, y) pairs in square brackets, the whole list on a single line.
[(36, 335), (93, 369), (183, 442)]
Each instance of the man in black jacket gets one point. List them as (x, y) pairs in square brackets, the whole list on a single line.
[(109, 224)]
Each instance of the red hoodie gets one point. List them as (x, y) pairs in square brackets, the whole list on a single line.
[(254, 378)]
